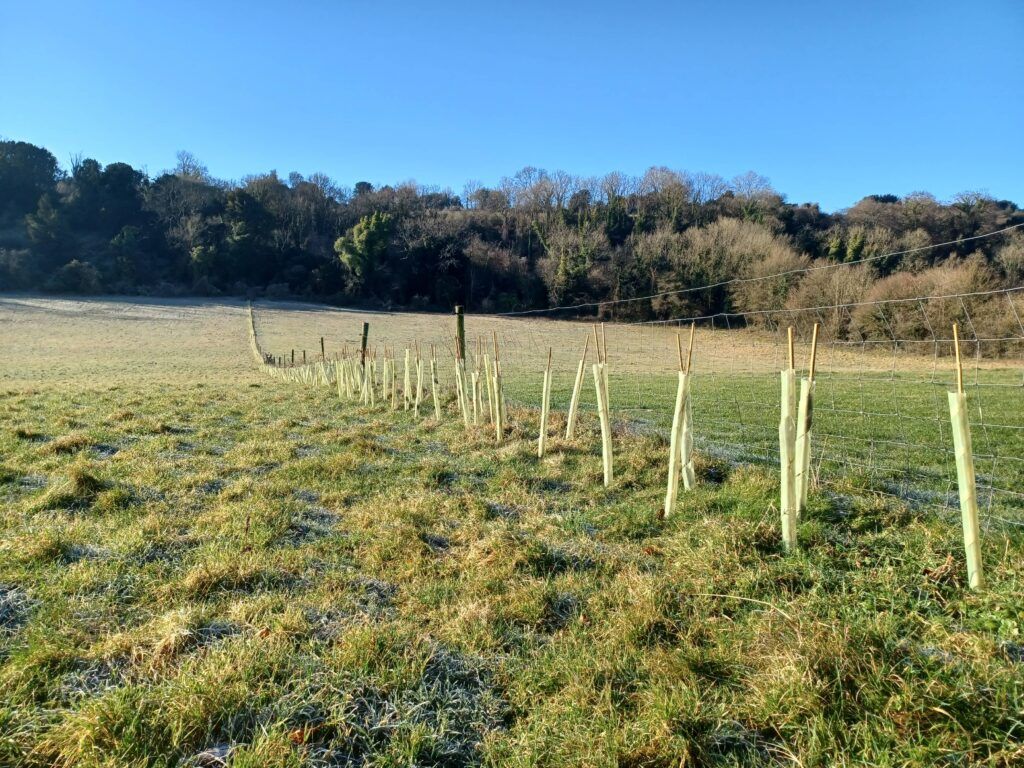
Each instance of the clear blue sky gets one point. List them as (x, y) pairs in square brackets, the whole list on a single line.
[(830, 100)]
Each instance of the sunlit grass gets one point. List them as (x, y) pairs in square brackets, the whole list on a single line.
[(231, 567)]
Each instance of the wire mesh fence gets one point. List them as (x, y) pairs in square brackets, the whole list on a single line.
[(881, 418)]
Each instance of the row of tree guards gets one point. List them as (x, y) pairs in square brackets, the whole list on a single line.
[(480, 398)]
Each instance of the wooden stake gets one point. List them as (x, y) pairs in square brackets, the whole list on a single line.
[(689, 349), (814, 352), (959, 362), (789, 332), (362, 344)]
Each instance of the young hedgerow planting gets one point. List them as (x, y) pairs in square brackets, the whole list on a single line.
[(201, 565)]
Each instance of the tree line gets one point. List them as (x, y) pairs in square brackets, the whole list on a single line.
[(537, 239)]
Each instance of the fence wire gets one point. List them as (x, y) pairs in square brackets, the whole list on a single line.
[(881, 418)]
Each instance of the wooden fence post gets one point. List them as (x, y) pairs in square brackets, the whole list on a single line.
[(366, 336), (460, 331)]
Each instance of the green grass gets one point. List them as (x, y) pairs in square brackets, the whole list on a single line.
[(875, 432), (253, 569)]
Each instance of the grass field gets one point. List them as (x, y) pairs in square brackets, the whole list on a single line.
[(201, 565), (882, 421)]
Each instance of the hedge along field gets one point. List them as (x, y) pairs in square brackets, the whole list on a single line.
[(201, 564)]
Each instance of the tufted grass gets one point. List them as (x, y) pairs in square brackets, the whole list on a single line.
[(230, 569)]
